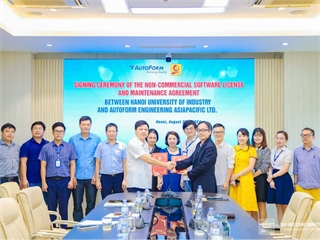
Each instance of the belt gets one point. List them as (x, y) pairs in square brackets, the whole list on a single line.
[(56, 178), (112, 175), (10, 179)]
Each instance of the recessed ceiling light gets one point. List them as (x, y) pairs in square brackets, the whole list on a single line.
[(281, 8), (205, 46), (299, 13), (285, 44), (53, 10), (127, 46), (33, 14), (49, 45)]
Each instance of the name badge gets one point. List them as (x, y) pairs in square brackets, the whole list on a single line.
[(58, 163)]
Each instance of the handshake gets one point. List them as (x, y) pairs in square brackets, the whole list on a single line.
[(171, 165)]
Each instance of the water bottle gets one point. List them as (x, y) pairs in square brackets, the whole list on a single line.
[(121, 220), (124, 231), (210, 215), (198, 207), (146, 195), (200, 190), (124, 208), (138, 203), (214, 230)]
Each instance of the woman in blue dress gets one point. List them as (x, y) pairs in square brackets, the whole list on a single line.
[(171, 180)]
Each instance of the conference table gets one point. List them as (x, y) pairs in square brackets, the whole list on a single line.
[(243, 226)]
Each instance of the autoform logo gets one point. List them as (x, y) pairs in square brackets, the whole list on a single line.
[(146, 67)]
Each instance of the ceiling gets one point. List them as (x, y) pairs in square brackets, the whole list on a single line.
[(239, 29)]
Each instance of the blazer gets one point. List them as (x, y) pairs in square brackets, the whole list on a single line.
[(203, 162)]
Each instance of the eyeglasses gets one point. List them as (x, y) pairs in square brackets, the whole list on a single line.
[(305, 135), (202, 130), (58, 132), (218, 132)]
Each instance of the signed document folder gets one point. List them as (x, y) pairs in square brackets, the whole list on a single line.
[(163, 157), (176, 159)]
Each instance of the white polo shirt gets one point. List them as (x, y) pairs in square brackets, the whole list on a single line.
[(225, 160), (138, 171)]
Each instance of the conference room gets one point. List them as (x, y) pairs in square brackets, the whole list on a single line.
[(265, 51)]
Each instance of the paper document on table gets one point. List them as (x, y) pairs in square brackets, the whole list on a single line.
[(116, 204), (90, 222)]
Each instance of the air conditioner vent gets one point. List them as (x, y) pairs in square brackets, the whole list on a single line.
[(48, 3)]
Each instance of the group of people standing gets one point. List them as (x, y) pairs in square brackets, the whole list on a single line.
[(250, 172)]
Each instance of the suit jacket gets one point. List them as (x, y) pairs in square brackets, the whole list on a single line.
[(203, 162)]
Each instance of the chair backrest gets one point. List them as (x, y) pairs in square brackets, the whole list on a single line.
[(34, 209), (311, 229), (9, 189), (296, 213), (12, 225)]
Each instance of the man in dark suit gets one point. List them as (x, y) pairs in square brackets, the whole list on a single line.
[(203, 161)]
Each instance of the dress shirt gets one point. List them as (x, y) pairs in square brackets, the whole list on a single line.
[(279, 159), (85, 149), (307, 166), (30, 150), (187, 149), (263, 161), (138, 171), (225, 160), (50, 153), (9, 159), (111, 157)]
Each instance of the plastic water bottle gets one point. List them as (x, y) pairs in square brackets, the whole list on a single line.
[(138, 203), (200, 190), (210, 215), (124, 231), (124, 208), (198, 207), (146, 195), (119, 225), (214, 231)]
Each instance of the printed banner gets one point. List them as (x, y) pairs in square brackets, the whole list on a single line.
[(163, 94)]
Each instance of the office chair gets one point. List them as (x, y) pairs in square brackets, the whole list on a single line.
[(311, 228), (295, 215), (12, 225), (9, 189), (36, 213)]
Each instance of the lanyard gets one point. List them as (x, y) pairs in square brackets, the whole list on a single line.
[(276, 157), (151, 151), (188, 145), (58, 149)]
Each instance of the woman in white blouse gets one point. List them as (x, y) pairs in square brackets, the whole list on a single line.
[(280, 182)]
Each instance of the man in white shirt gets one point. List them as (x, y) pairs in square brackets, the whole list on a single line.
[(188, 146), (139, 160), (225, 159)]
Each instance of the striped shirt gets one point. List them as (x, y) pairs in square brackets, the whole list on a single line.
[(9, 159), (50, 153)]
